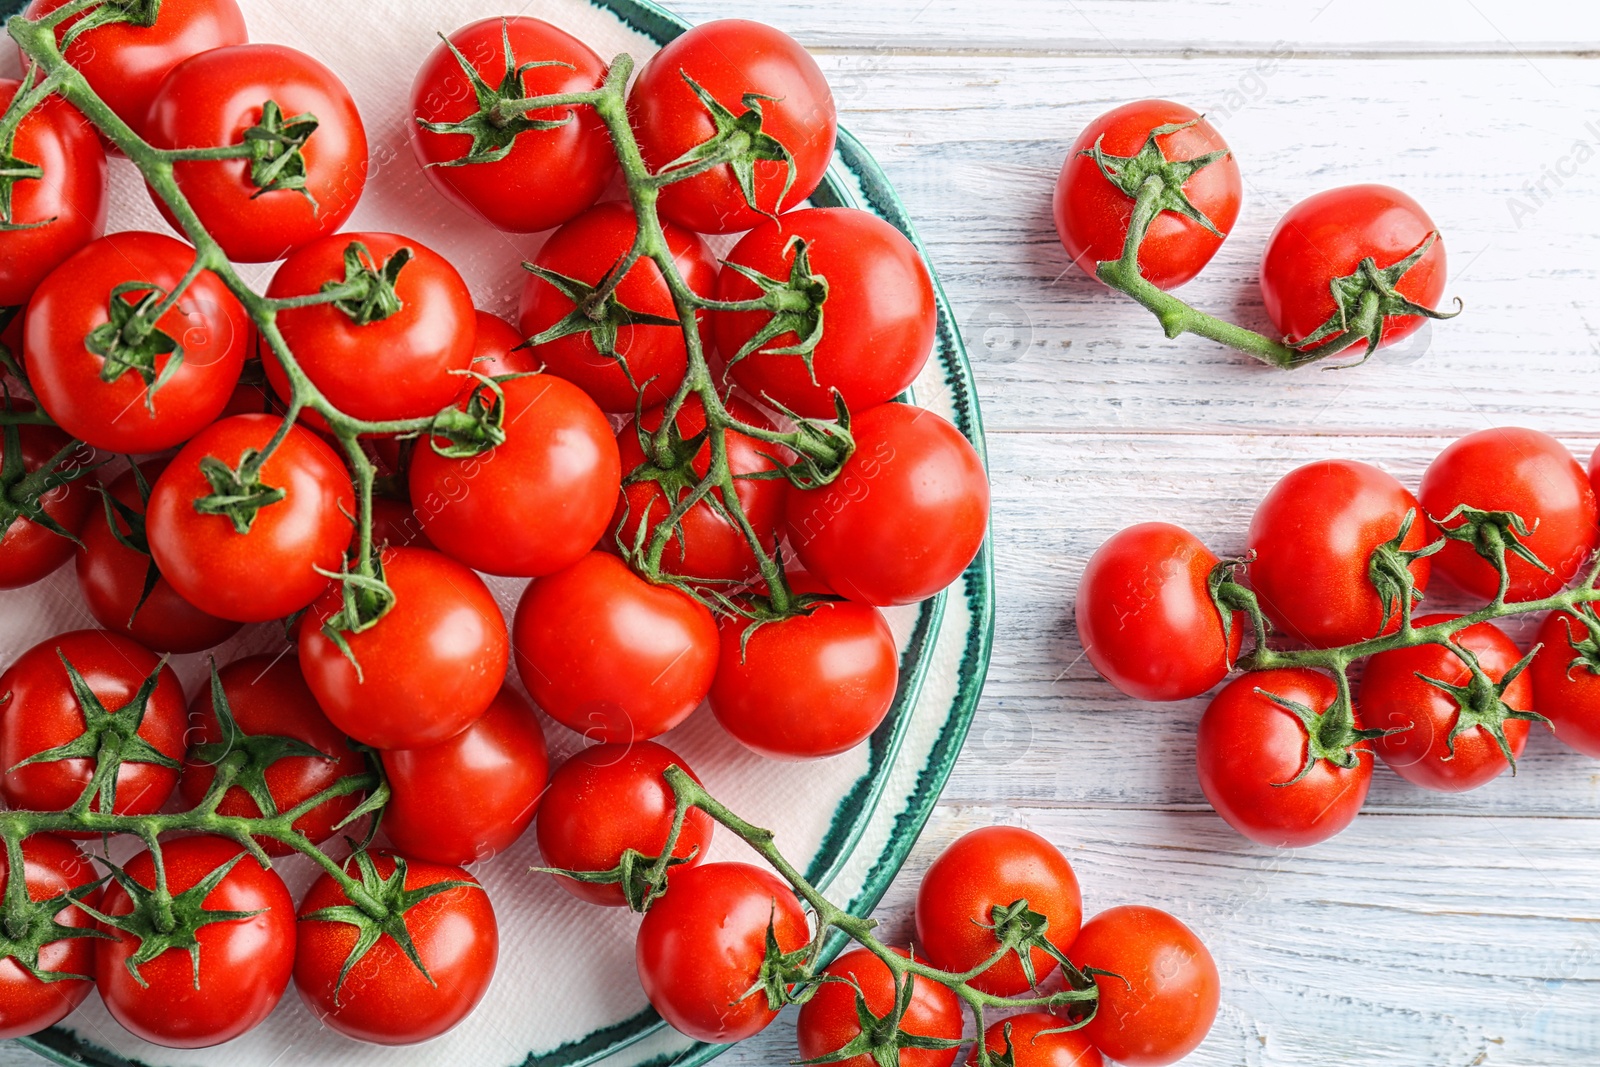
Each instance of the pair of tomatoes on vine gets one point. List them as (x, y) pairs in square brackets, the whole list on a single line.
[(1338, 552)]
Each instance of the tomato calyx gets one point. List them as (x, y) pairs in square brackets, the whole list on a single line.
[(823, 447), (1229, 596), (1150, 164), (1586, 649), (881, 1038), (1492, 534), (118, 515), (738, 142), (1389, 571), (1331, 735), (277, 151), (237, 493), (478, 425), (242, 759), (365, 598), (1481, 702), (27, 925), (22, 491), (596, 312), (641, 878), (130, 340), (1364, 301), (782, 972), (1020, 930), (141, 13), (796, 303), (367, 294)]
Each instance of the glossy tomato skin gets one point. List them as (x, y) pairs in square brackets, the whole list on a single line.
[(729, 58), (244, 963), (1092, 214), (1166, 1000), (207, 322), (272, 571), (1392, 696), (468, 798), (268, 697), (1326, 236), (1250, 750), (1566, 694), (549, 176), (111, 577), (52, 866), (212, 99), (606, 799), (607, 654), (879, 317), (585, 249), (125, 63), (533, 504), (62, 211), (28, 551), (1033, 1046), (905, 516), (991, 867), (42, 713), (496, 349), (429, 668), (1522, 471), (1313, 537), (708, 545), (828, 1021), (1145, 615), (700, 948), (400, 367), (387, 1001)]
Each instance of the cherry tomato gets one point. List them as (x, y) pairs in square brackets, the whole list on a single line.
[(268, 698), (879, 317), (1565, 691), (1145, 615), (1313, 538), (468, 798), (1393, 696), (426, 671), (274, 570), (386, 999), (707, 545), (611, 656), (52, 867), (730, 59), (1037, 1040), (1092, 214), (1326, 237), (398, 367), (546, 176), (58, 212), (497, 350), (42, 713), (113, 578), (1530, 474), (905, 516), (1251, 750), (980, 875), (828, 1021), (1165, 1000), (124, 62), (700, 948), (584, 251), (244, 963), (29, 551), (606, 799), (533, 504), (72, 313)]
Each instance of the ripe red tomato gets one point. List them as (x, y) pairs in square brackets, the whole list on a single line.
[(71, 319), (429, 668), (1393, 696), (605, 653), (606, 799), (398, 367), (1326, 237), (1565, 692), (1313, 537), (1092, 213), (545, 177), (879, 317), (533, 504), (42, 713), (244, 963), (213, 99), (1165, 1000), (1037, 1040), (828, 1021), (700, 948), (273, 570), (113, 576), (52, 867), (386, 999), (29, 551), (268, 698), (468, 798), (584, 251), (730, 59), (905, 516), (497, 350), (58, 212), (1251, 749), (1522, 471), (980, 875), (124, 62), (708, 546)]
